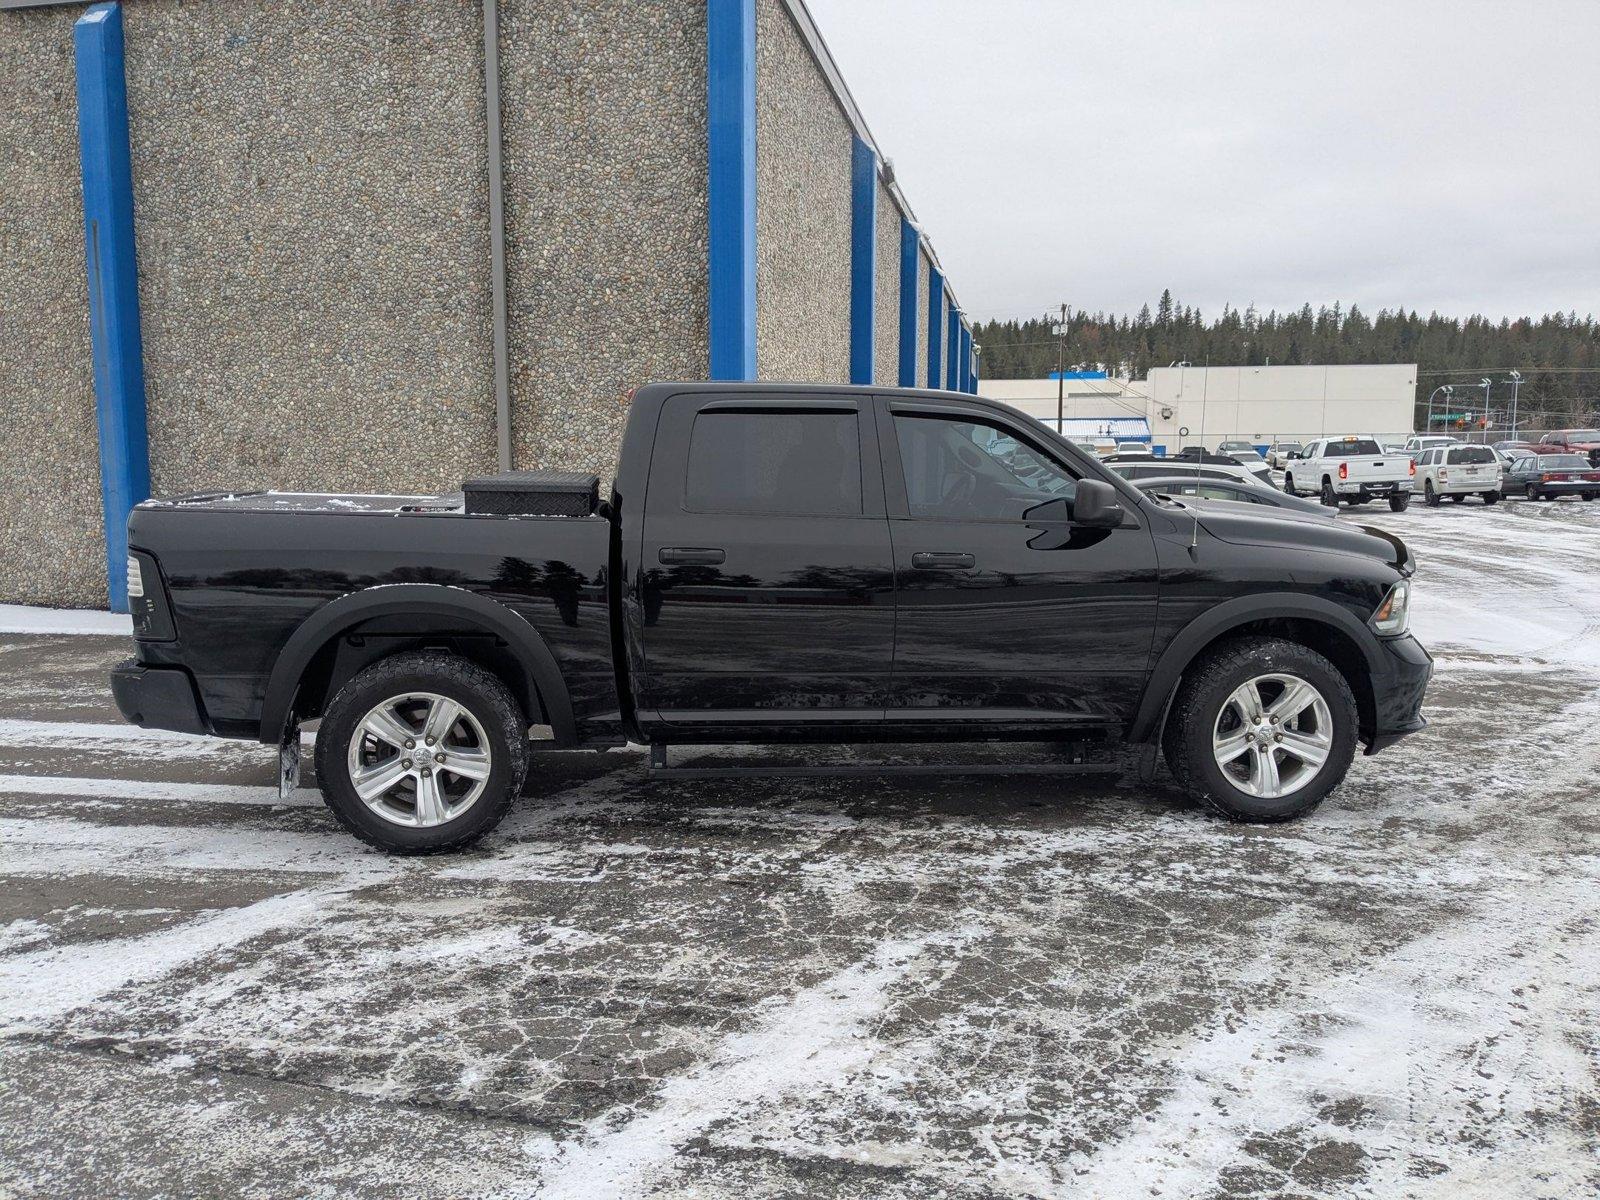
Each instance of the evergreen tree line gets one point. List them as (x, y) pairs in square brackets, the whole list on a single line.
[(1558, 354)]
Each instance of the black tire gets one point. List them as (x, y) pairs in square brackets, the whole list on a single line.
[(1288, 485), (1532, 492), (1491, 497), (1201, 697), (1429, 496), (1330, 498), (485, 697), (1458, 498), (1400, 502), (1590, 495)]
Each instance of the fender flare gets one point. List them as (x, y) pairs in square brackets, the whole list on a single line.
[(430, 599), (1206, 628)]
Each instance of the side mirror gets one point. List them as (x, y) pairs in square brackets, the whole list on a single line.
[(1096, 506), (1059, 509)]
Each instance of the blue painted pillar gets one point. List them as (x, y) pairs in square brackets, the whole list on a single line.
[(952, 363), (910, 256), (113, 279), (731, 186), (966, 358), (935, 326), (863, 258)]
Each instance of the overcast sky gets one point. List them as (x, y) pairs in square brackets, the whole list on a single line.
[(1433, 155)]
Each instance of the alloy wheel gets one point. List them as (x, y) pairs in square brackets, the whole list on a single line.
[(1273, 735), (419, 759)]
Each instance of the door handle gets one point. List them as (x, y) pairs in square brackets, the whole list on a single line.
[(942, 560), (706, 555)]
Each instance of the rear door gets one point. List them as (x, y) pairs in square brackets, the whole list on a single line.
[(767, 584), (1474, 468), (1006, 615)]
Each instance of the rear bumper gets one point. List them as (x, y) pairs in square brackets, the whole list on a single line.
[(1397, 692), (1468, 487), (1573, 487), (157, 697), (1357, 487)]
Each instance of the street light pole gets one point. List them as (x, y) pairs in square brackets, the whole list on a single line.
[(1516, 384), (1448, 391), (1061, 373), (1485, 384)]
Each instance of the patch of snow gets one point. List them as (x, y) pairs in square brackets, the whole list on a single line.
[(24, 618), (140, 789)]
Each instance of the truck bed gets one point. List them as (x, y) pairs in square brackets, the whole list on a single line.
[(313, 502)]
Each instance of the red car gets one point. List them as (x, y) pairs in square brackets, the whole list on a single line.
[(1573, 441)]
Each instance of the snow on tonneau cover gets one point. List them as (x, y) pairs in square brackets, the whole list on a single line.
[(311, 502)]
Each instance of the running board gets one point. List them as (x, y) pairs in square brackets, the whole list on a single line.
[(1082, 762)]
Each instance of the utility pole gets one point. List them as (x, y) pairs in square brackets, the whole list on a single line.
[(1516, 383), (1061, 373), (1448, 391)]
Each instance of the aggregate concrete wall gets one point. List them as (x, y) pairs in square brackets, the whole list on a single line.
[(605, 143), (886, 303), (311, 206), (803, 151), (924, 277), (52, 544)]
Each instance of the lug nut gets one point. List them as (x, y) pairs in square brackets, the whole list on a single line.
[(438, 758), (427, 773), (410, 745), (430, 741), (406, 763)]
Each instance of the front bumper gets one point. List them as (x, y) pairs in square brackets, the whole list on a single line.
[(157, 697), (1397, 692)]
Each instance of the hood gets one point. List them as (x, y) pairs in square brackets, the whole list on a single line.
[(1303, 531)]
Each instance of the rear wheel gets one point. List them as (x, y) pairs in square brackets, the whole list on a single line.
[(1399, 501), (1261, 730), (1491, 497), (1532, 492), (422, 752), (1288, 484), (1329, 496), (1590, 495), (1429, 496)]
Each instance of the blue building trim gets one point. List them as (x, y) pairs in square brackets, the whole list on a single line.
[(952, 358), (966, 358), (863, 258), (113, 279), (935, 326), (910, 265), (731, 186)]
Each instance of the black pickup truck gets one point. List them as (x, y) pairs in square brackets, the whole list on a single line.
[(775, 563)]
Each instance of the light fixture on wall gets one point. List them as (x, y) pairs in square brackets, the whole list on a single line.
[(1166, 413)]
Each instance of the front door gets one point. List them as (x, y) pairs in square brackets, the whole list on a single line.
[(768, 581), (1007, 611)]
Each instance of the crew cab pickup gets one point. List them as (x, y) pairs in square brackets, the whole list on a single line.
[(774, 563), (1352, 469), (1585, 442)]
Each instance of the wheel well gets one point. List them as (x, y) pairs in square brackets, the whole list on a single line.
[(363, 643), (1333, 644)]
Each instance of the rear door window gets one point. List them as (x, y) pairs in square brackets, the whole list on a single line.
[(796, 463)]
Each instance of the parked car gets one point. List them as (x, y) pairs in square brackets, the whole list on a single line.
[(1252, 467), (1243, 451), (755, 593), (1221, 487), (1458, 472), (1280, 453), (1215, 466), (1142, 456), (1133, 448), (1104, 447), (1415, 445), (1585, 442), (1505, 447), (1352, 469), (1549, 476), (1508, 463)]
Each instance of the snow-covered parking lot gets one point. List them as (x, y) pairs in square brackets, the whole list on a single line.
[(991, 987)]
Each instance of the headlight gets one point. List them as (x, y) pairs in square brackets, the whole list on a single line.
[(1394, 614)]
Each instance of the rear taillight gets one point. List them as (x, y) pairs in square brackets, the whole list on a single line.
[(1344, 470), (1444, 475), (1546, 477), (152, 619), (1412, 463)]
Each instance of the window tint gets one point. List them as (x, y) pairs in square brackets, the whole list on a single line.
[(967, 470), (807, 463), (1563, 462), (1354, 446), (1471, 455)]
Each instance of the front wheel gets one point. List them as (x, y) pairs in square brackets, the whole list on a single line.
[(1288, 485), (1532, 492), (1491, 497), (1329, 496), (1261, 730), (1399, 502), (422, 752)]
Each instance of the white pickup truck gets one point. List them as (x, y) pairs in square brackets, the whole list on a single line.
[(1354, 469)]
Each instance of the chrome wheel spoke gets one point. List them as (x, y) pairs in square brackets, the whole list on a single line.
[(1231, 747), (469, 764), (1297, 696), (387, 725), (430, 803), (377, 779), (1311, 749), (442, 716), (1264, 778)]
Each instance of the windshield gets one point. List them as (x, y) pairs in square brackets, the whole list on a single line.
[(1562, 462), (1469, 455), (1288, 445)]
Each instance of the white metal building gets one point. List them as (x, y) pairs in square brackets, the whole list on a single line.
[(1185, 406)]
